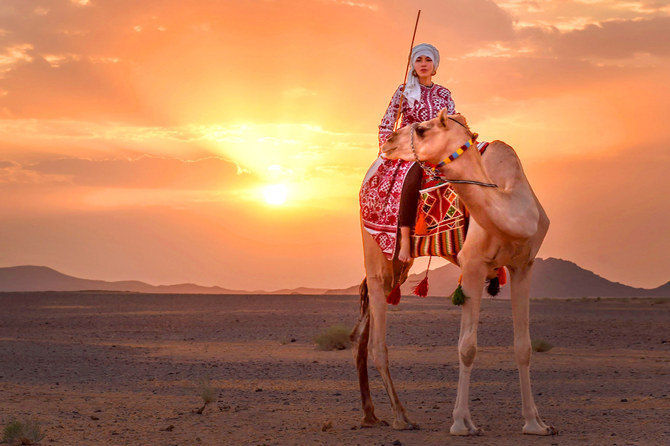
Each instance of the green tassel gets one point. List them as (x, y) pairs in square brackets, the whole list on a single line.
[(458, 297)]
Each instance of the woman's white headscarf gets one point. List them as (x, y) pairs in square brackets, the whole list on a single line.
[(412, 89)]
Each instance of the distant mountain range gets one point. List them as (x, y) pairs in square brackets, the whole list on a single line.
[(551, 278), (42, 278)]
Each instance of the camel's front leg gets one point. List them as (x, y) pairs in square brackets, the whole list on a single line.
[(474, 275), (378, 348), (520, 282)]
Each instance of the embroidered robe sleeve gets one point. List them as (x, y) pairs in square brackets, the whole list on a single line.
[(445, 94), (386, 126)]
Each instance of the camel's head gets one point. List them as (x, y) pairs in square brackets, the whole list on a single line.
[(433, 140)]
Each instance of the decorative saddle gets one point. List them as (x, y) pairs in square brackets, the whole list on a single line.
[(441, 219), (441, 222)]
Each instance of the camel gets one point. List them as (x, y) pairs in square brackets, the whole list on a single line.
[(507, 227)]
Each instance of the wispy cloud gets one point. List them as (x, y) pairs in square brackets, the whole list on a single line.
[(357, 4), (146, 172), (14, 54), (618, 39), (299, 92)]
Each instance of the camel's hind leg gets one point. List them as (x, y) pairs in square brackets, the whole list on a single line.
[(474, 275), (381, 276), (359, 338), (520, 282), (379, 287)]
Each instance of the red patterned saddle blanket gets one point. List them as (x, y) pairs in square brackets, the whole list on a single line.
[(441, 224), (441, 218)]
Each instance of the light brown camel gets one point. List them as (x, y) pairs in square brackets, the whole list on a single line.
[(507, 227)]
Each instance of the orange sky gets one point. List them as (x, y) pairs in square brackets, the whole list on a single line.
[(137, 138)]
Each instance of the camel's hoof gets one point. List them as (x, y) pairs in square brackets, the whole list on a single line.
[(466, 431), (405, 425), (544, 430), (373, 422)]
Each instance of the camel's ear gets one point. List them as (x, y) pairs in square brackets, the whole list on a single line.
[(443, 117)]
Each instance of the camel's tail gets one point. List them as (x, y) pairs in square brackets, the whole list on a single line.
[(363, 324), (359, 338), (365, 299)]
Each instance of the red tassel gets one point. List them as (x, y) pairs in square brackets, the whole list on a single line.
[(421, 289), (502, 276), (394, 296)]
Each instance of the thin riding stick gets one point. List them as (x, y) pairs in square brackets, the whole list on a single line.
[(404, 82)]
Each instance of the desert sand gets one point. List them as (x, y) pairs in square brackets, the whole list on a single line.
[(122, 369)]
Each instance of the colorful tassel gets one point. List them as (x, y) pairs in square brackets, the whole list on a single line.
[(494, 286), (502, 275), (394, 296), (458, 297), (421, 289)]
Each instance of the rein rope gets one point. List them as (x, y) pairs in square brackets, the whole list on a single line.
[(434, 173)]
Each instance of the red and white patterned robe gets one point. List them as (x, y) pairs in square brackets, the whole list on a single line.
[(433, 99), (380, 194)]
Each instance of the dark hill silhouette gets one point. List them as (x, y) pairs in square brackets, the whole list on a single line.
[(42, 278), (551, 278), (562, 278)]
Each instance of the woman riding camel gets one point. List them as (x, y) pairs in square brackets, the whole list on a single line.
[(421, 101)]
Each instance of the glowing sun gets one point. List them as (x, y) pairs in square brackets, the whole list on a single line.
[(275, 194)]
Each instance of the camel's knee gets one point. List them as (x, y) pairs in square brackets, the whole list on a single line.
[(522, 350), (467, 350), (375, 278), (467, 355), (378, 282), (379, 357)]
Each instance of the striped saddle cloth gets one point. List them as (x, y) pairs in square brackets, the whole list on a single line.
[(441, 224)]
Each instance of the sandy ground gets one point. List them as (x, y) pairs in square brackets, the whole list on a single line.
[(122, 369)]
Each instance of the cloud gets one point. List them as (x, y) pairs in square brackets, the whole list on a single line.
[(252, 146), (357, 4), (183, 66), (617, 39), (458, 26), (147, 172), (646, 6), (69, 88), (13, 55), (299, 92), (567, 15)]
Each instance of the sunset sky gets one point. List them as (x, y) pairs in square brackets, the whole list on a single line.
[(138, 139)]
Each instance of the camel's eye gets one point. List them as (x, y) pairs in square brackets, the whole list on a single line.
[(420, 131)]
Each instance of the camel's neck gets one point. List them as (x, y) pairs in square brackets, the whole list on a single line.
[(493, 208), (472, 142)]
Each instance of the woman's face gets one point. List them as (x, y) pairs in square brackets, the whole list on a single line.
[(423, 65)]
